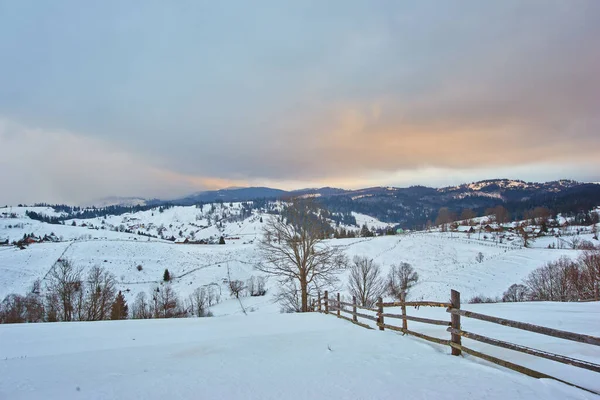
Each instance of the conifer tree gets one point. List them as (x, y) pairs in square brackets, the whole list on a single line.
[(119, 308), (166, 276)]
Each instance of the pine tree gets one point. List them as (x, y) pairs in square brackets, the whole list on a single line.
[(166, 276), (365, 232), (119, 309), (222, 240)]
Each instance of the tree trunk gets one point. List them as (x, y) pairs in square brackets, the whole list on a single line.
[(304, 290)]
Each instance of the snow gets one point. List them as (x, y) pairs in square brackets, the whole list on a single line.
[(371, 222), (265, 354), (442, 262), (299, 356)]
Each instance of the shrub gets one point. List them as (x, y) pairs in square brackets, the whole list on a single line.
[(479, 299), (256, 286), (479, 258), (139, 268), (515, 293)]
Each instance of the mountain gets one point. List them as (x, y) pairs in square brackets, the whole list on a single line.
[(410, 207), (231, 194), (118, 201)]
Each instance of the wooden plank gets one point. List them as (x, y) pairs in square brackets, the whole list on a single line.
[(514, 367), (576, 337), (538, 353), (361, 315), (418, 319), (429, 338), (365, 316), (417, 304), (417, 334), (358, 306), (355, 322)]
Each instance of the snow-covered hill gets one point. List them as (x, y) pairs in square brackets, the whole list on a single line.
[(260, 357)]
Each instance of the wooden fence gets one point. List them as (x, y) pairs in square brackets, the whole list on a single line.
[(337, 307)]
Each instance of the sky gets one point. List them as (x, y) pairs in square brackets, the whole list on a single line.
[(163, 99)]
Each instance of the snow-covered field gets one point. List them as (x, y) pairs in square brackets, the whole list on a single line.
[(289, 356), (443, 261)]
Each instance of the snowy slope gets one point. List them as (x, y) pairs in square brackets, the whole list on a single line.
[(310, 356), (442, 263)]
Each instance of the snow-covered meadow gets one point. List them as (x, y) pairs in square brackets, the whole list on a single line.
[(260, 356)]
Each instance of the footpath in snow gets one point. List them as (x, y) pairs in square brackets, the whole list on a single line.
[(299, 356)]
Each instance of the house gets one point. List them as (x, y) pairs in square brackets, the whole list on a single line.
[(182, 241)]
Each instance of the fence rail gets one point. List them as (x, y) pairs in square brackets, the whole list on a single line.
[(337, 307)]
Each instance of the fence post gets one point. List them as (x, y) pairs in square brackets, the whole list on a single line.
[(380, 321), (339, 307), (320, 301), (325, 299), (354, 317), (404, 321), (455, 321)]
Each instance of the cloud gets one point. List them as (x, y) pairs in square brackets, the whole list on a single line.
[(60, 166), (177, 97)]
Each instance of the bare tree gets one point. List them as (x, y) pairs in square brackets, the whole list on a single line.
[(64, 281), (401, 278), (526, 235), (141, 307), (296, 251), (590, 262), (236, 287), (168, 303), (575, 242), (445, 217), (100, 287), (516, 292), (12, 309), (467, 216), (289, 297), (499, 213), (366, 281), (199, 302)]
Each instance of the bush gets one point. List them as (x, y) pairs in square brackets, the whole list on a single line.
[(516, 293), (236, 287), (480, 299), (256, 286), (139, 268), (479, 258)]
